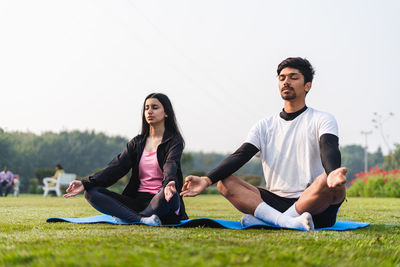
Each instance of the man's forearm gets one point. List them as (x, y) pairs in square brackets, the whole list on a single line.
[(233, 163), (330, 153)]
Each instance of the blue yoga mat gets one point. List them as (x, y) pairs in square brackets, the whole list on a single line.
[(206, 222)]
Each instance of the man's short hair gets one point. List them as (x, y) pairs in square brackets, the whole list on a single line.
[(302, 64)]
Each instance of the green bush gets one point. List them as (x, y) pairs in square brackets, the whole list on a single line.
[(375, 183), (41, 173), (252, 179), (34, 186), (356, 189), (212, 190)]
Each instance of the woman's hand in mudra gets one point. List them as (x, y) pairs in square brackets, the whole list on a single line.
[(169, 191), (75, 187)]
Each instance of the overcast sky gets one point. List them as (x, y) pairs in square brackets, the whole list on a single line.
[(88, 65)]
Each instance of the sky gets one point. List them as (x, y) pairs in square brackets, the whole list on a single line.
[(88, 65)]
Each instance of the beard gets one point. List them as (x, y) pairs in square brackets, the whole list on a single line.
[(290, 95)]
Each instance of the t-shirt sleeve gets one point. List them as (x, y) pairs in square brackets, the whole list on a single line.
[(253, 137), (327, 125)]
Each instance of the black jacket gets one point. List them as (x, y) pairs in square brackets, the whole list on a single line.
[(169, 154)]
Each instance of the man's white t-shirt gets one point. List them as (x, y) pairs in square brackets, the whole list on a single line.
[(290, 150)]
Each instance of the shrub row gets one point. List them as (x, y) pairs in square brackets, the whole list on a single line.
[(375, 183)]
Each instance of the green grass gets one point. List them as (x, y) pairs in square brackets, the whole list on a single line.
[(26, 238)]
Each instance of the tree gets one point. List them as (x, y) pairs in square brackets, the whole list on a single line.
[(353, 159), (78, 152), (392, 161), (6, 149), (375, 159), (186, 162)]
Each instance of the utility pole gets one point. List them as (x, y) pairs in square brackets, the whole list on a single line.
[(365, 150)]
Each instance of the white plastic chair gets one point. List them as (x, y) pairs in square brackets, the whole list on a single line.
[(51, 184)]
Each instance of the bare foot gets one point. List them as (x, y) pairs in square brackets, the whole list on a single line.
[(337, 177)]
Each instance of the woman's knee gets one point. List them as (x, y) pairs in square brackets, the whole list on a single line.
[(92, 194), (86, 194), (158, 199)]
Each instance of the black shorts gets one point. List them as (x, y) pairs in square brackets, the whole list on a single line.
[(326, 218)]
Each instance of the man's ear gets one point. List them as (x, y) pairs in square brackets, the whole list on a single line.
[(308, 87)]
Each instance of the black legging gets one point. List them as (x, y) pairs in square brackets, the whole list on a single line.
[(132, 209)]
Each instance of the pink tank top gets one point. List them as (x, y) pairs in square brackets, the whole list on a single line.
[(150, 174)]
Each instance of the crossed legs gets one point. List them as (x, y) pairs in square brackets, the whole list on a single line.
[(139, 209), (321, 194)]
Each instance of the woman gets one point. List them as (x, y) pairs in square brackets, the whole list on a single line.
[(59, 169), (154, 156)]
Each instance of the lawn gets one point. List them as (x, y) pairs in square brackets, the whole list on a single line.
[(26, 238)]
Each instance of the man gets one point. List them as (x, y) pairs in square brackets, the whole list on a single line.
[(305, 184), (6, 181)]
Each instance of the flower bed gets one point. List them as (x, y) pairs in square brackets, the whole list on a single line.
[(375, 183)]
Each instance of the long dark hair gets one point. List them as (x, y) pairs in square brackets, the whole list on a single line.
[(170, 121)]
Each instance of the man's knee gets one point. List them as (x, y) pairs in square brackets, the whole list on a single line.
[(223, 187), (228, 186)]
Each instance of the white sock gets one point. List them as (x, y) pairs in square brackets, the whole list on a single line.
[(270, 215), (116, 219), (292, 212), (153, 220), (249, 220)]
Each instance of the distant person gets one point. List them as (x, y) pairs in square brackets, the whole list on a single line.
[(16, 184), (6, 181), (59, 169), (299, 146), (152, 194)]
